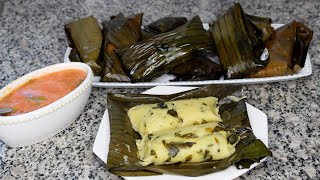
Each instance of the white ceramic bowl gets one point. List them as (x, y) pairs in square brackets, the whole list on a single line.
[(38, 125)]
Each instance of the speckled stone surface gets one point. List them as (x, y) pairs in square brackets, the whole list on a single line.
[(32, 36)]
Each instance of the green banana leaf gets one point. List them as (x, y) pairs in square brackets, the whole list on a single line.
[(263, 25), (157, 55), (161, 26), (122, 155), (85, 36), (113, 69), (123, 31), (200, 67), (288, 48), (165, 24), (238, 42)]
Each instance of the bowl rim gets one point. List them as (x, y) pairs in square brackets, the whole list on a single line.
[(54, 106)]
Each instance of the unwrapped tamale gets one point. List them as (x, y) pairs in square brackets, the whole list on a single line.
[(195, 143), (85, 36), (150, 118), (123, 152)]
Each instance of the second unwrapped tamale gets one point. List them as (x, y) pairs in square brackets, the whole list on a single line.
[(195, 143)]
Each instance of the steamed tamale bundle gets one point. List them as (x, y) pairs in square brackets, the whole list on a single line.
[(153, 57), (200, 67), (162, 25), (238, 43), (113, 69), (85, 37), (123, 31), (165, 24), (119, 31), (288, 48), (165, 145)]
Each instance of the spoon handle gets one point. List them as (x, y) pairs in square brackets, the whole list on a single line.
[(5, 110)]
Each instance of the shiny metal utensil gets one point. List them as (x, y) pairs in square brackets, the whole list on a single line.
[(5, 110)]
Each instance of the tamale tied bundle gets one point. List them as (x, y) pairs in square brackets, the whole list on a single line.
[(157, 55), (288, 48), (161, 26), (200, 67), (123, 31), (119, 31), (238, 43), (113, 69), (165, 24), (85, 37)]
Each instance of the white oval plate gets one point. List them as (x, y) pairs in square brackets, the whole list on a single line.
[(258, 122), (164, 79)]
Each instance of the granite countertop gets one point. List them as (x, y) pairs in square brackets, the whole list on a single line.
[(32, 36)]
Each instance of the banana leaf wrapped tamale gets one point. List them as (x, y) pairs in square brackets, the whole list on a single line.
[(262, 24), (123, 31), (122, 155), (288, 48), (161, 26), (85, 36), (238, 43), (165, 24), (119, 31), (113, 69), (200, 67), (151, 58)]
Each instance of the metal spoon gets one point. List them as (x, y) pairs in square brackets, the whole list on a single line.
[(5, 110)]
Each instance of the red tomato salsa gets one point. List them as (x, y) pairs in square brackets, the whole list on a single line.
[(43, 90)]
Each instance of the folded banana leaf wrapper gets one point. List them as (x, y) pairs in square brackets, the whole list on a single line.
[(123, 31), (165, 24), (85, 39), (238, 39), (119, 32), (153, 57), (122, 156), (161, 26), (113, 69), (200, 67), (288, 48)]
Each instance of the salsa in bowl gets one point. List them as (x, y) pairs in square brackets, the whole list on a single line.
[(44, 102)]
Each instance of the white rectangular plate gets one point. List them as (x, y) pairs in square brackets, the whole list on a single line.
[(164, 80), (258, 121)]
